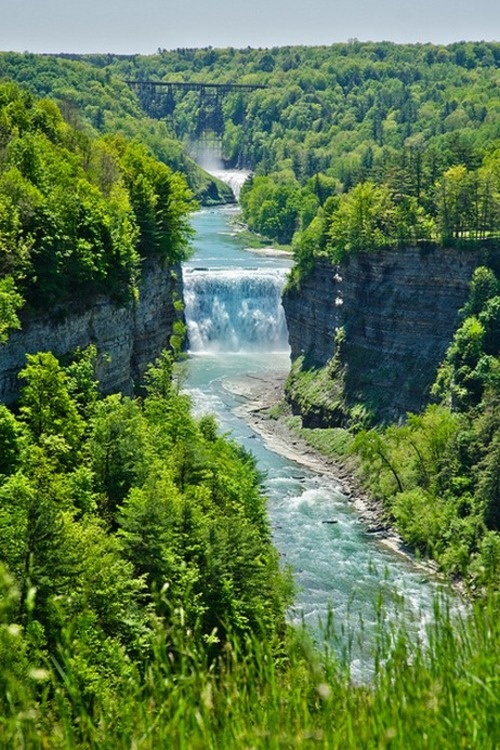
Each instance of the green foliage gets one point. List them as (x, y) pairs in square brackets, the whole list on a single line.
[(331, 441), (161, 202), (438, 474), (142, 603), (420, 474), (10, 302), (117, 446), (469, 201), (483, 287), (122, 521), (272, 206), (82, 385), (316, 393), (14, 666), (472, 363), (443, 694), (96, 102), (362, 220), (10, 440), (368, 218), (352, 109), (416, 122), (78, 214), (47, 408)]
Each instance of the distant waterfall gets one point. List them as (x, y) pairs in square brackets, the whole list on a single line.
[(232, 177), (235, 310)]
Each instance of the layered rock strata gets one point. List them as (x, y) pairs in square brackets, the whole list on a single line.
[(399, 310), (127, 336)]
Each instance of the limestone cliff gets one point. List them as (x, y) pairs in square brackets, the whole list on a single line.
[(127, 336), (398, 310)]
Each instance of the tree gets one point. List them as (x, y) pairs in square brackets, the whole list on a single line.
[(10, 302), (82, 384), (161, 201), (483, 286), (10, 442), (455, 191), (33, 540), (47, 408), (119, 450), (364, 220), (375, 453)]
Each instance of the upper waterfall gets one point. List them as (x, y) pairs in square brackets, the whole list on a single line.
[(209, 156), (232, 177), (235, 310)]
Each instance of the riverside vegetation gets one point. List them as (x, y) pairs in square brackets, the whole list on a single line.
[(436, 475), (142, 603)]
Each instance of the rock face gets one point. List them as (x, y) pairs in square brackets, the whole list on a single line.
[(399, 310), (127, 336)]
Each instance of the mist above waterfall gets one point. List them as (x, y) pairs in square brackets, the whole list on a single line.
[(235, 310), (208, 154)]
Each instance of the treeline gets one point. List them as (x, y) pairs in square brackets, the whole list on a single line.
[(349, 110), (318, 219), (346, 107), (420, 120), (97, 103), (78, 214), (409, 132)]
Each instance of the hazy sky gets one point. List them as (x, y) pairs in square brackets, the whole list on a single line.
[(144, 25)]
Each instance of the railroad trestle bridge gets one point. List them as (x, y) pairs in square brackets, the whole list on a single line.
[(158, 99)]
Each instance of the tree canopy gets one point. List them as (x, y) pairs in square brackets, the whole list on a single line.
[(78, 214)]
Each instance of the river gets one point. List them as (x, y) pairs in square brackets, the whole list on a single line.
[(236, 326)]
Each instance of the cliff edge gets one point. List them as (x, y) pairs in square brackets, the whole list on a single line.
[(128, 336), (371, 332)]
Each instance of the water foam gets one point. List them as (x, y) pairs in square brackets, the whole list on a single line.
[(235, 309)]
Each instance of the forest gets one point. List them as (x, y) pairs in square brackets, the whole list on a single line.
[(78, 214), (142, 603), (419, 122), (438, 473)]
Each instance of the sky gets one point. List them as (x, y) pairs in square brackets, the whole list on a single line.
[(143, 26)]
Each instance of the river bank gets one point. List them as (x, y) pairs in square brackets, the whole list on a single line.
[(263, 391)]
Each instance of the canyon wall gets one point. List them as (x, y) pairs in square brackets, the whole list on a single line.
[(127, 336), (398, 309)]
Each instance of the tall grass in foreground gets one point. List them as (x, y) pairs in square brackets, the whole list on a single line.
[(259, 695)]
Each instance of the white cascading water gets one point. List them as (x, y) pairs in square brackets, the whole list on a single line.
[(235, 310), (236, 327), (234, 178), (208, 154)]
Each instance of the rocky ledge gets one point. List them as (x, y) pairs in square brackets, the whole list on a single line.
[(398, 310), (127, 336)]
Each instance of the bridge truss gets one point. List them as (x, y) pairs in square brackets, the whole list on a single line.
[(160, 98)]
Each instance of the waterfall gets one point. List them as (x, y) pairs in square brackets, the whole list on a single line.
[(208, 154), (232, 177), (235, 310)]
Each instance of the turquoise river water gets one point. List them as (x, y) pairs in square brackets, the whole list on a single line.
[(236, 326)]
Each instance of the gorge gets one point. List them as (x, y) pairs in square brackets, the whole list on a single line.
[(235, 325), (220, 525), (398, 311)]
